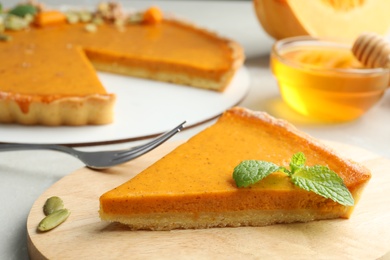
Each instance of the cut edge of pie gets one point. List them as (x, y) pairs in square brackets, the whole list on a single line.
[(233, 207), (181, 74)]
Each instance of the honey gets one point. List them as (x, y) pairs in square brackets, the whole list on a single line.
[(323, 80)]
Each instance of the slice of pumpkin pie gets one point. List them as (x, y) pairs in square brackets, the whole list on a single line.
[(193, 187)]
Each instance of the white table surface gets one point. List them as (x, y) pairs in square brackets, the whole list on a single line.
[(25, 175)]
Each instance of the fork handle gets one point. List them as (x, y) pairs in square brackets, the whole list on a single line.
[(21, 147)]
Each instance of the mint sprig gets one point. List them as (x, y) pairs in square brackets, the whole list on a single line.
[(23, 9), (318, 179)]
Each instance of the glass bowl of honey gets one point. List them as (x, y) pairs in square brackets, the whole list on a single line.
[(322, 79)]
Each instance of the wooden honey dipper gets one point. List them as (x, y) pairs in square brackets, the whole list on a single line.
[(372, 50)]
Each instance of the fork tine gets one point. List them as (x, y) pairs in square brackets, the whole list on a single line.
[(158, 139), (142, 149)]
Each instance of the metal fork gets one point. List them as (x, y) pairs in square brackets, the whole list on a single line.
[(103, 159)]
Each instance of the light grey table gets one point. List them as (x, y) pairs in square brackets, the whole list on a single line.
[(25, 175)]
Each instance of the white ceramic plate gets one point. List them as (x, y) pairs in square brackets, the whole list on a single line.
[(144, 108)]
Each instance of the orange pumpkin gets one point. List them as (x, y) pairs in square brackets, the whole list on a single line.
[(323, 18)]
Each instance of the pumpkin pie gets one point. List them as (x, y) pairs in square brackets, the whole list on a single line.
[(192, 186), (49, 76)]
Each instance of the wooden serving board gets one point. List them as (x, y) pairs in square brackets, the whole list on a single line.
[(366, 235)]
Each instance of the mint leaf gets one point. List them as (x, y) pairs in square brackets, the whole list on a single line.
[(23, 9), (324, 182), (298, 160), (251, 171)]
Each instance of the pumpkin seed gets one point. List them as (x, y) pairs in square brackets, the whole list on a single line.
[(72, 17), (91, 28), (29, 18), (103, 7), (53, 220), (2, 26), (120, 24), (52, 204), (13, 22), (135, 18), (85, 16), (5, 37), (97, 21)]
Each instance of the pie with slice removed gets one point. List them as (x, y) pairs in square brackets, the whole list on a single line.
[(192, 186), (48, 76)]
